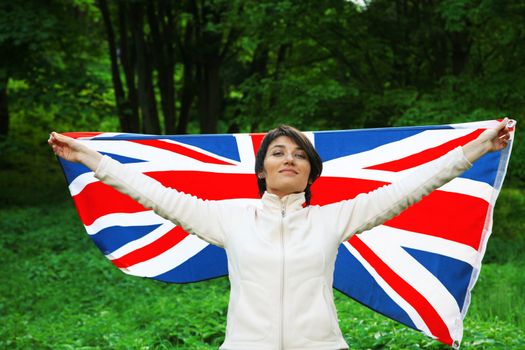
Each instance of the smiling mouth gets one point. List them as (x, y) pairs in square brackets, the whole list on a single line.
[(288, 171)]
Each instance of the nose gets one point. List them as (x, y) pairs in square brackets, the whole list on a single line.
[(288, 158)]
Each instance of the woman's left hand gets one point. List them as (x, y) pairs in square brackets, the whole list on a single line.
[(490, 140), (497, 138)]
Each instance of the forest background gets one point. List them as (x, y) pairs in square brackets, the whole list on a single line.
[(217, 66)]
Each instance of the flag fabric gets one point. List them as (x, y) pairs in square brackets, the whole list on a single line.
[(417, 268)]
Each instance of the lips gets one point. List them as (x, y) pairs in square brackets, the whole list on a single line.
[(288, 171)]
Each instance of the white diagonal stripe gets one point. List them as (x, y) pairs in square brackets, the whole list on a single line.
[(142, 241), (411, 312), (168, 260), (124, 219), (395, 150), (386, 236)]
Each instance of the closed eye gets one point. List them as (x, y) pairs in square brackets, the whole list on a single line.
[(300, 155)]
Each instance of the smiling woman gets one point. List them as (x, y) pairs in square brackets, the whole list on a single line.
[(281, 254), (286, 168), (287, 163)]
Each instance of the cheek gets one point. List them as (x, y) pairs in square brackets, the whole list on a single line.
[(308, 170), (268, 165)]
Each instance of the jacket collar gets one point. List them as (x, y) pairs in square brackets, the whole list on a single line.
[(289, 203)]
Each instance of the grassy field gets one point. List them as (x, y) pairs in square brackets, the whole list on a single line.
[(59, 292)]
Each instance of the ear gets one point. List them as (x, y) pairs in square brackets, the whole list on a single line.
[(261, 175)]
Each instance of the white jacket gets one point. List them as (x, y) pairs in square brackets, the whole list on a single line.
[(281, 256)]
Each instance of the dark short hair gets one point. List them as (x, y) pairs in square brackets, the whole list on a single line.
[(316, 165)]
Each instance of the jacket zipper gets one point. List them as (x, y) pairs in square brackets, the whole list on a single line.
[(281, 321)]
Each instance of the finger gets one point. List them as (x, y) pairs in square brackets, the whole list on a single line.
[(505, 137), (504, 131), (502, 124), (61, 139), (58, 136), (53, 137), (52, 140)]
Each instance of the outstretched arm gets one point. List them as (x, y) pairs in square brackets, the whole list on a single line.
[(203, 218), (74, 151), (368, 210)]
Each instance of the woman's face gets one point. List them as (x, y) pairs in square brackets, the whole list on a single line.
[(286, 167)]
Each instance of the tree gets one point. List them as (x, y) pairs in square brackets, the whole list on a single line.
[(46, 45)]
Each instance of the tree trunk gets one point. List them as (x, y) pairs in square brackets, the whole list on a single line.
[(146, 94), (210, 58), (122, 105), (128, 61), (281, 56), (188, 80), (168, 34), (4, 108), (164, 60), (188, 95), (259, 69), (209, 96), (460, 51)]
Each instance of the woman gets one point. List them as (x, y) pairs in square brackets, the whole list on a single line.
[(281, 256)]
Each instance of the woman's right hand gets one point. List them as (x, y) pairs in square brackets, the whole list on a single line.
[(71, 150)]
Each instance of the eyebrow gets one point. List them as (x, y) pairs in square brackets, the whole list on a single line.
[(283, 146)]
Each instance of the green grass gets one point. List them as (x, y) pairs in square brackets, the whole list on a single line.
[(59, 292)]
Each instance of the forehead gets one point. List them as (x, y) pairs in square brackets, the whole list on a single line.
[(283, 141)]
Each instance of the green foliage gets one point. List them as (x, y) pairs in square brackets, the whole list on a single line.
[(308, 101), (316, 65), (490, 298), (446, 106), (59, 292), (456, 14), (46, 303), (507, 242)]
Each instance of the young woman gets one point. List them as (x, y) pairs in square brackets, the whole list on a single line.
[(281, 256)]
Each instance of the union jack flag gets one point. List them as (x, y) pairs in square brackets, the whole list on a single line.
[(417, 268)]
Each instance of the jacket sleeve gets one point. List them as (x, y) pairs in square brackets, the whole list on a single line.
[(368, 210), (201, 217)]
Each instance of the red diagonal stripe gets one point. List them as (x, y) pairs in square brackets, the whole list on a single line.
[(164, 243), (454, 216), (172, 147), (256, 141), (206, 185), (428, 313), (326, 190), (426, 155), (98, 199), (77, 135)]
